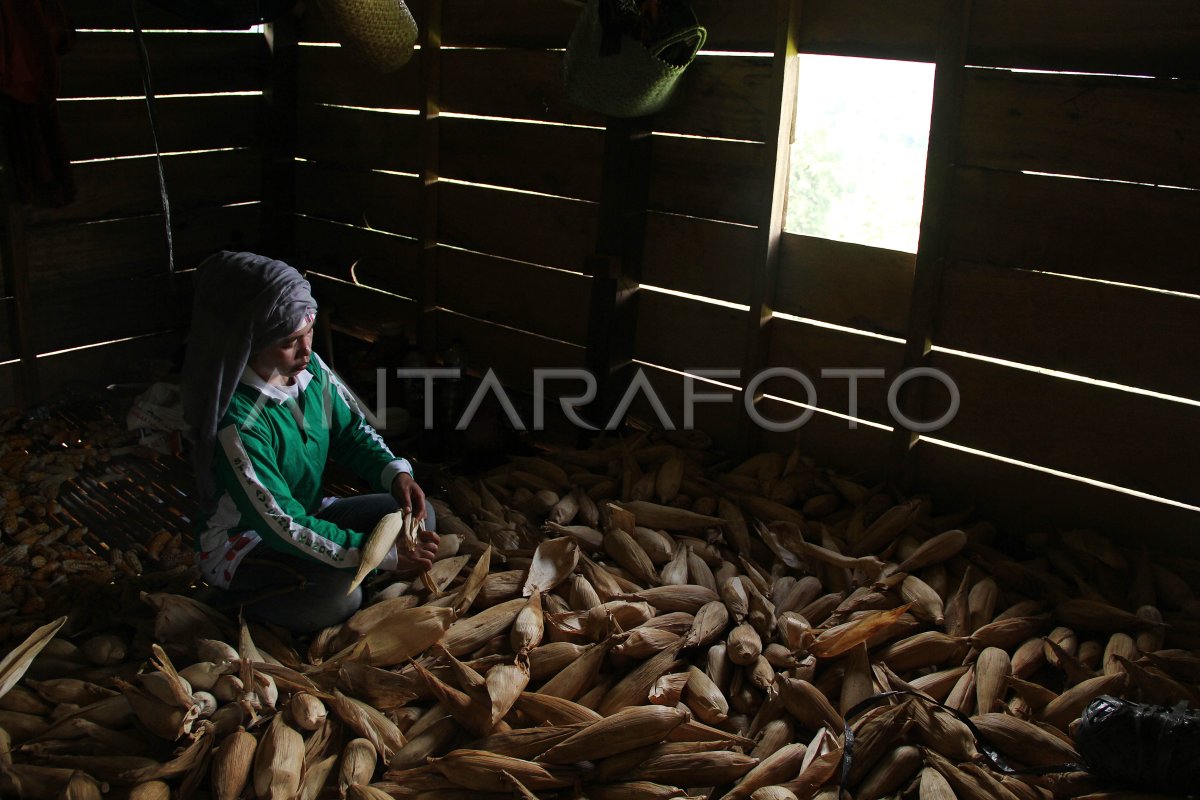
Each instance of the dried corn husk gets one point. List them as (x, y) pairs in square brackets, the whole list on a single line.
[(744, 645), (841, 639), (675, 571), (379, 543), (630, 555), (783, 764), (773, 793), (278, 761), (695, 769), (17, 661), (894, 770), (529, 626), (105, 650), (634, 687), (544, 709), (184, 621), (1071, 703), (624, 730), (193, 757), (1024, 741), (469, 633), (577, 676), (150, 790), (992, 670), (685, 597), (359, 759), (660, 517), (707, 626), (809, 705), (231, 764), (632, 790), (401, 636), (481, 771), (426, 743), (644, 642), (934, 786), (368, 723), (553, 561)]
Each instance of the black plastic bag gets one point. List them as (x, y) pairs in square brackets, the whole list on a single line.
[(1140, 746)]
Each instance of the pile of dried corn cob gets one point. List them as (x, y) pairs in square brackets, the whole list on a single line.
[(46, 553), (671, 629)]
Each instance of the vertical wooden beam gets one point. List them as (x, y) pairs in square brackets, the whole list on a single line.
[(616, 268), (430, 140), (936, 218), (14, 256), (765, 266), (281, 97)]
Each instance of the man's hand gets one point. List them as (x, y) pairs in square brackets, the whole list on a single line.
[(409, 495), (422, 558)]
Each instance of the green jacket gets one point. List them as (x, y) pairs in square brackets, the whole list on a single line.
[(270, 460)]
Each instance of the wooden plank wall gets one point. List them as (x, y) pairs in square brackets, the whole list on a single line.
[(512, 201), (1069, 309), (711, 169), (1088, 275), (98, 267)]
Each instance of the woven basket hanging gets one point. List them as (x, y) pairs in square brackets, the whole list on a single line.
[(381, 33), (631, 83)]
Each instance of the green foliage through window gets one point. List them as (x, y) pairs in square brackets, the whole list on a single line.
[(857, 169)]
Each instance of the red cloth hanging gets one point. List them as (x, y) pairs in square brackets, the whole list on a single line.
[(33, 34)]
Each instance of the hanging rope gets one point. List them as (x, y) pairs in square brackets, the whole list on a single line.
[(148, 88)]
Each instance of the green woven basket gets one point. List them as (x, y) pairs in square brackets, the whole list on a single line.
[(632, 83), (380, 33)]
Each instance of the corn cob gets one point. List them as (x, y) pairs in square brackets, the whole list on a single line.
[(695, 769), (643, 642), (630, 555), (359, 759), (781, 765), (553, 561), (527, 743), (1071, 703), (377, 545), (406, 633), (634, 687), (773, 793), (893, 771), (1095, 616), (1148, 641), (1024, 741), (468, 634), (992, 670), (278, 761), (150, 790), (809, 705), (625, 730), (475, 769), (529, 626), (545, 709), (368, 723), (425, 743), (705, 699), (689, 598), (632, 790), (744, 645)]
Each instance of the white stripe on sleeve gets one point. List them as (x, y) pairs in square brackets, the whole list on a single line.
[(268, 510)]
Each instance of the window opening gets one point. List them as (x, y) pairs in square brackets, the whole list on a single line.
[(857, 162)]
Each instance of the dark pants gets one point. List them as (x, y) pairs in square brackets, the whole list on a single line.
[(304, 596)]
